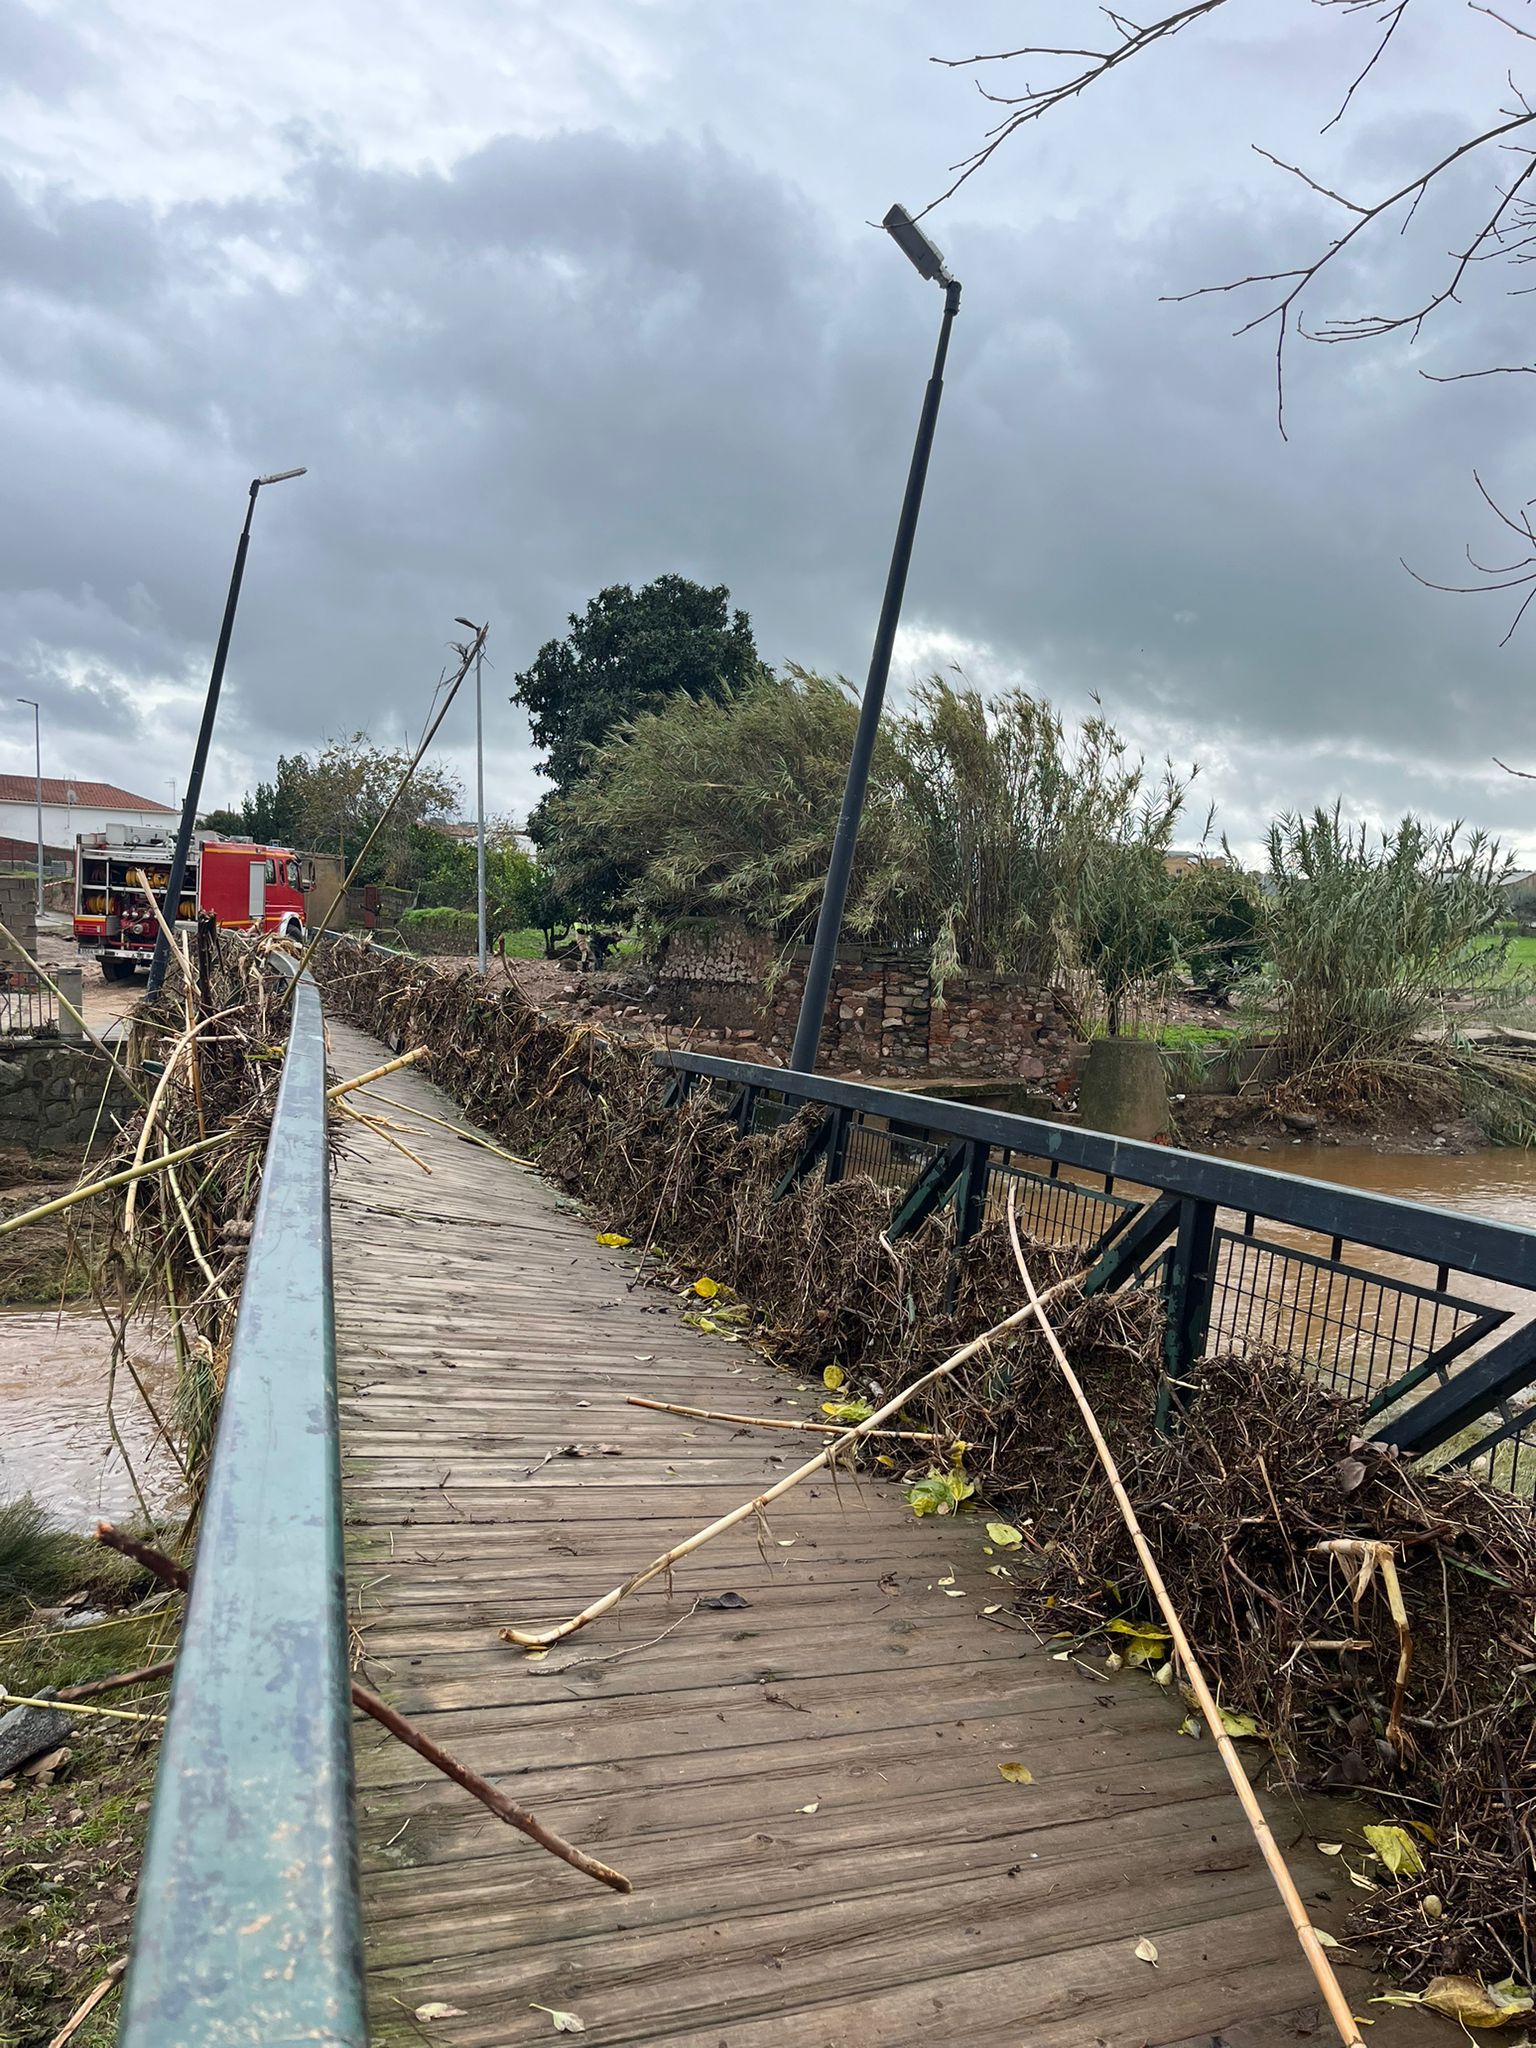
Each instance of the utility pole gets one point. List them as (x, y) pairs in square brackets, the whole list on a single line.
[(37, 749), (162, 955), (480, 920), (922, 254)]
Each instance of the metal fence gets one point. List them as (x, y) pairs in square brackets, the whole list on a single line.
[(28, 1006), (248, 1927), (1426, 1316)]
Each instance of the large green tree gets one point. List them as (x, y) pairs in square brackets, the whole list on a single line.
[(626, 654)]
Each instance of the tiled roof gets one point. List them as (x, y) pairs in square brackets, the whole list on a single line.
[(58, 789)]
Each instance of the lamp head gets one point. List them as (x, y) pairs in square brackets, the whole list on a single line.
[(278, 476), (915, 245)]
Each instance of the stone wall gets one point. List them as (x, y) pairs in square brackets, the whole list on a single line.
[(883, 1015), (18, 912), (51, 1095)]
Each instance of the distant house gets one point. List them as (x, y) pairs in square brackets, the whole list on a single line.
[(1520, 889), (70, 807), (1184, 861)]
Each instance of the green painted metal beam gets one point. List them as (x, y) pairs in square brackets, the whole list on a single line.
[(248, 1927)]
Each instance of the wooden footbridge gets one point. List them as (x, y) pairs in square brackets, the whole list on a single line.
[(792, 1750)]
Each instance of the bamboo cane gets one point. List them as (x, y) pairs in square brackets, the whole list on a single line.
[(88, 1188), (164, 1159), (444, 1123), (406, 1059), (16, 1699), (1327, 1982), (905, 1436), (541, 1639)]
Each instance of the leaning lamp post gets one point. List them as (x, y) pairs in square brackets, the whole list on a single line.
[(925, 258), (194, 791)]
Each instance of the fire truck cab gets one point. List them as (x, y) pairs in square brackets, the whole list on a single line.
[(247, 887)]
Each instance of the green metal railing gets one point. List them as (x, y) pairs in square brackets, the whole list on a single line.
[(1356, 1286), (248, 1928)]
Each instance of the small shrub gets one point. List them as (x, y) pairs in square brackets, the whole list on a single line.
[(40, 1562)]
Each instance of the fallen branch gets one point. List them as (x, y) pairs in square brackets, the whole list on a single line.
[(541, 1639), (88, 2005), (906, 1436), (1285, 1884), (143, 1676), (505, 1809), (367, 1702)]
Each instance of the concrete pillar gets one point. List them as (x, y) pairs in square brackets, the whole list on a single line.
[(70, 981), (1124, 1089)]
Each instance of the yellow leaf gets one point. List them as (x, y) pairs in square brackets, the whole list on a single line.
[(1324, 1938), (613, 1238), (1017, 1774), (812, 1807), (993, 1609), (884, 1458), (1239, 1725), (948, 1579), (954, 1593), (1146, 1951), (435, 2009), (1004, 1535), (1192, 1725), (706, 1288), (1396, 1848), (833, 1377), (1474, 2004), (565, 2022), (1145, 1642), (1329, 1848)]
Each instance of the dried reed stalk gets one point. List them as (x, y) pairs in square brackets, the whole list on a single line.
[(905, 1436), (541, 1639), (1322, 1970)]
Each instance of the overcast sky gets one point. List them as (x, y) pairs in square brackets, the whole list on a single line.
[(552, 298)]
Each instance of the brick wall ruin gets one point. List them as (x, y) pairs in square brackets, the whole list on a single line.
[(884, 1017)]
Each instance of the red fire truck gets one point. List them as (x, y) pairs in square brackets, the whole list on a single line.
[(247, 887)]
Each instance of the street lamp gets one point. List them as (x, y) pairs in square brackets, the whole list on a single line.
[(161, 961), (925, 258), (37, 747), (470, 626)]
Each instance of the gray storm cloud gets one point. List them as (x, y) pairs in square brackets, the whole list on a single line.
[(561, 360)]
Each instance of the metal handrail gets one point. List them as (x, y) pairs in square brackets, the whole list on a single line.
[(1192, 1188), (1415, 1230), (248, 1929)]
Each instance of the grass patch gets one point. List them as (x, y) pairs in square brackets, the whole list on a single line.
[(1198, 1037), (70, 1850), (42, 1563)]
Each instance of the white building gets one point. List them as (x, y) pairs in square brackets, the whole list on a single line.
[(70, 807)]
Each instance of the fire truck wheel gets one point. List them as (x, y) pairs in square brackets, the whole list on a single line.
[(117, 970)]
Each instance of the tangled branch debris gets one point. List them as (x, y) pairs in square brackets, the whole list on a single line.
[(1267, 1465)]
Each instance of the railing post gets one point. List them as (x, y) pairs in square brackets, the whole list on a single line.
[(971, 1191), (1187, 1302), (837, 1145)]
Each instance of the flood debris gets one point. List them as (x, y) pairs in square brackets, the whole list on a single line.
[(1265, 1465)]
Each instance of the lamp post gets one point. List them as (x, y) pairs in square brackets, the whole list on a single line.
[(37, 749), (161, 960), (480, 947), (925, 258)]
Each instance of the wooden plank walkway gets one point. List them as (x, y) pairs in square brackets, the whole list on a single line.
[(805, 1792)]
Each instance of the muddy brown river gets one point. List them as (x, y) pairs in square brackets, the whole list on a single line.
[(56, 1441)]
